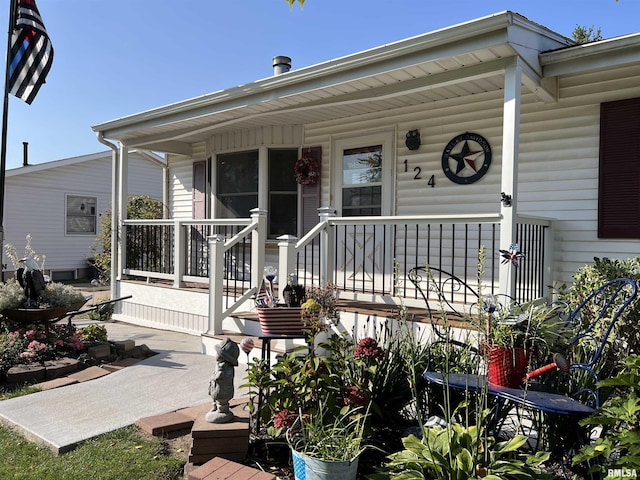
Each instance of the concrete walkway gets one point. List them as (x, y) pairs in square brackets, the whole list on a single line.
[(177, 377)]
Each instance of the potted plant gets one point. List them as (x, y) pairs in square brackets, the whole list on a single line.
[(308, 311), (514, 336), (277, 318), (327, 443)]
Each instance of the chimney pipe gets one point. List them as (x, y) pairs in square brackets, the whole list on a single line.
[(25, 154), (281, 64)]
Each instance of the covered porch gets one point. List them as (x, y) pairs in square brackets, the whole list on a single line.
[(469, 77)]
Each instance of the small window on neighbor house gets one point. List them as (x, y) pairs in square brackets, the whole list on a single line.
[(619, 172), (81, 215), (283, 193)]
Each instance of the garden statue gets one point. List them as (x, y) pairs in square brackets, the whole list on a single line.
[(31, 280), (221, 382)]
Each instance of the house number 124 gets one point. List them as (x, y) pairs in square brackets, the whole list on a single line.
[(418, 174)]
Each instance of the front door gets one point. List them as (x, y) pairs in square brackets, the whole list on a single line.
[(363, 187)]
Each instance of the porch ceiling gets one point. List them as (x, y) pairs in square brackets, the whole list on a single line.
[(458, 61)]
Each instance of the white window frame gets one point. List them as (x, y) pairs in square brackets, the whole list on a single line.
[(384, 138), (91, 206)]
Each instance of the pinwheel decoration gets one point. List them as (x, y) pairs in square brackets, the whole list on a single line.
[(513, 255)]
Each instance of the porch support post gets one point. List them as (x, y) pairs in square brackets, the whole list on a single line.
[(216, 283), (179, 247), (509, 184), (286, 261), (121, 207), (258, 241), (327, 248)]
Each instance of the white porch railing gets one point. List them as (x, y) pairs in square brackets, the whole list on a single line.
[(367, 257)]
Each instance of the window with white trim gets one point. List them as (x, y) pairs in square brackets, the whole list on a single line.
[(81, 215), (237, 187)]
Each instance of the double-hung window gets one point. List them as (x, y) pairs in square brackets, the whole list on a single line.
[(238, 188)]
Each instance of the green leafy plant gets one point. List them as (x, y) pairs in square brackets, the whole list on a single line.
[(54, 295), (138, 207), (619, 445), (93, 333), (461, 452), (12, 344), (534, 327), (325, 435), (627, 328), (11, 295), (60, 295)]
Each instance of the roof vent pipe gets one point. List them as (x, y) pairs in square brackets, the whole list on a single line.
[(25, 154), (281, 64)]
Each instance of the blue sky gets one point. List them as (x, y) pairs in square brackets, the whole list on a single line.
[(114, 58)]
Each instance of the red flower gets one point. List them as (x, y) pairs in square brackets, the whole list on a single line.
[(284, 419), (355, 396), (368, 348)]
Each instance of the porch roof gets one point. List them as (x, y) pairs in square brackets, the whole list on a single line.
[(452, 62)]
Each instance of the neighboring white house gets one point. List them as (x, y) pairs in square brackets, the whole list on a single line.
[(523, 136), (60, 204)]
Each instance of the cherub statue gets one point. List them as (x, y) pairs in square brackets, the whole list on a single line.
[(221, 383)]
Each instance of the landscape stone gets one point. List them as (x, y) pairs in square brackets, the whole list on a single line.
[(124, 346), (99, 351), (60, 367), (26, 374)]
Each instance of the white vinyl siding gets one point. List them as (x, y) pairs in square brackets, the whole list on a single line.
[(558, 160), (36, 203), (181, 182)]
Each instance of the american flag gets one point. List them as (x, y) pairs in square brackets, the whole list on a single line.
[(262, 298), (31, 53)]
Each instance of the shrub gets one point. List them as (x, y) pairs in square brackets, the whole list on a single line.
[(12, 344), (619, 446), (627, 329), (138, 207), (93, 333)]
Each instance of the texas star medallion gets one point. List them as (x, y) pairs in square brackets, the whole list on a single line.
[(466, 158)]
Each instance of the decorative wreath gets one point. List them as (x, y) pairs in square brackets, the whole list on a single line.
[(307, 170)]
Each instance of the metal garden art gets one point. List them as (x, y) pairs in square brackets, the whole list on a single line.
[(30, 306), (31, 298)]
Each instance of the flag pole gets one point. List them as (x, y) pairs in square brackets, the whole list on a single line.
[(5, 116)]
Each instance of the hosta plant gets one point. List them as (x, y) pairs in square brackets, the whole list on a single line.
[(462, 452)]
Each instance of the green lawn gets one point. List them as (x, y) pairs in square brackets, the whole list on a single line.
[(121, 455)]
